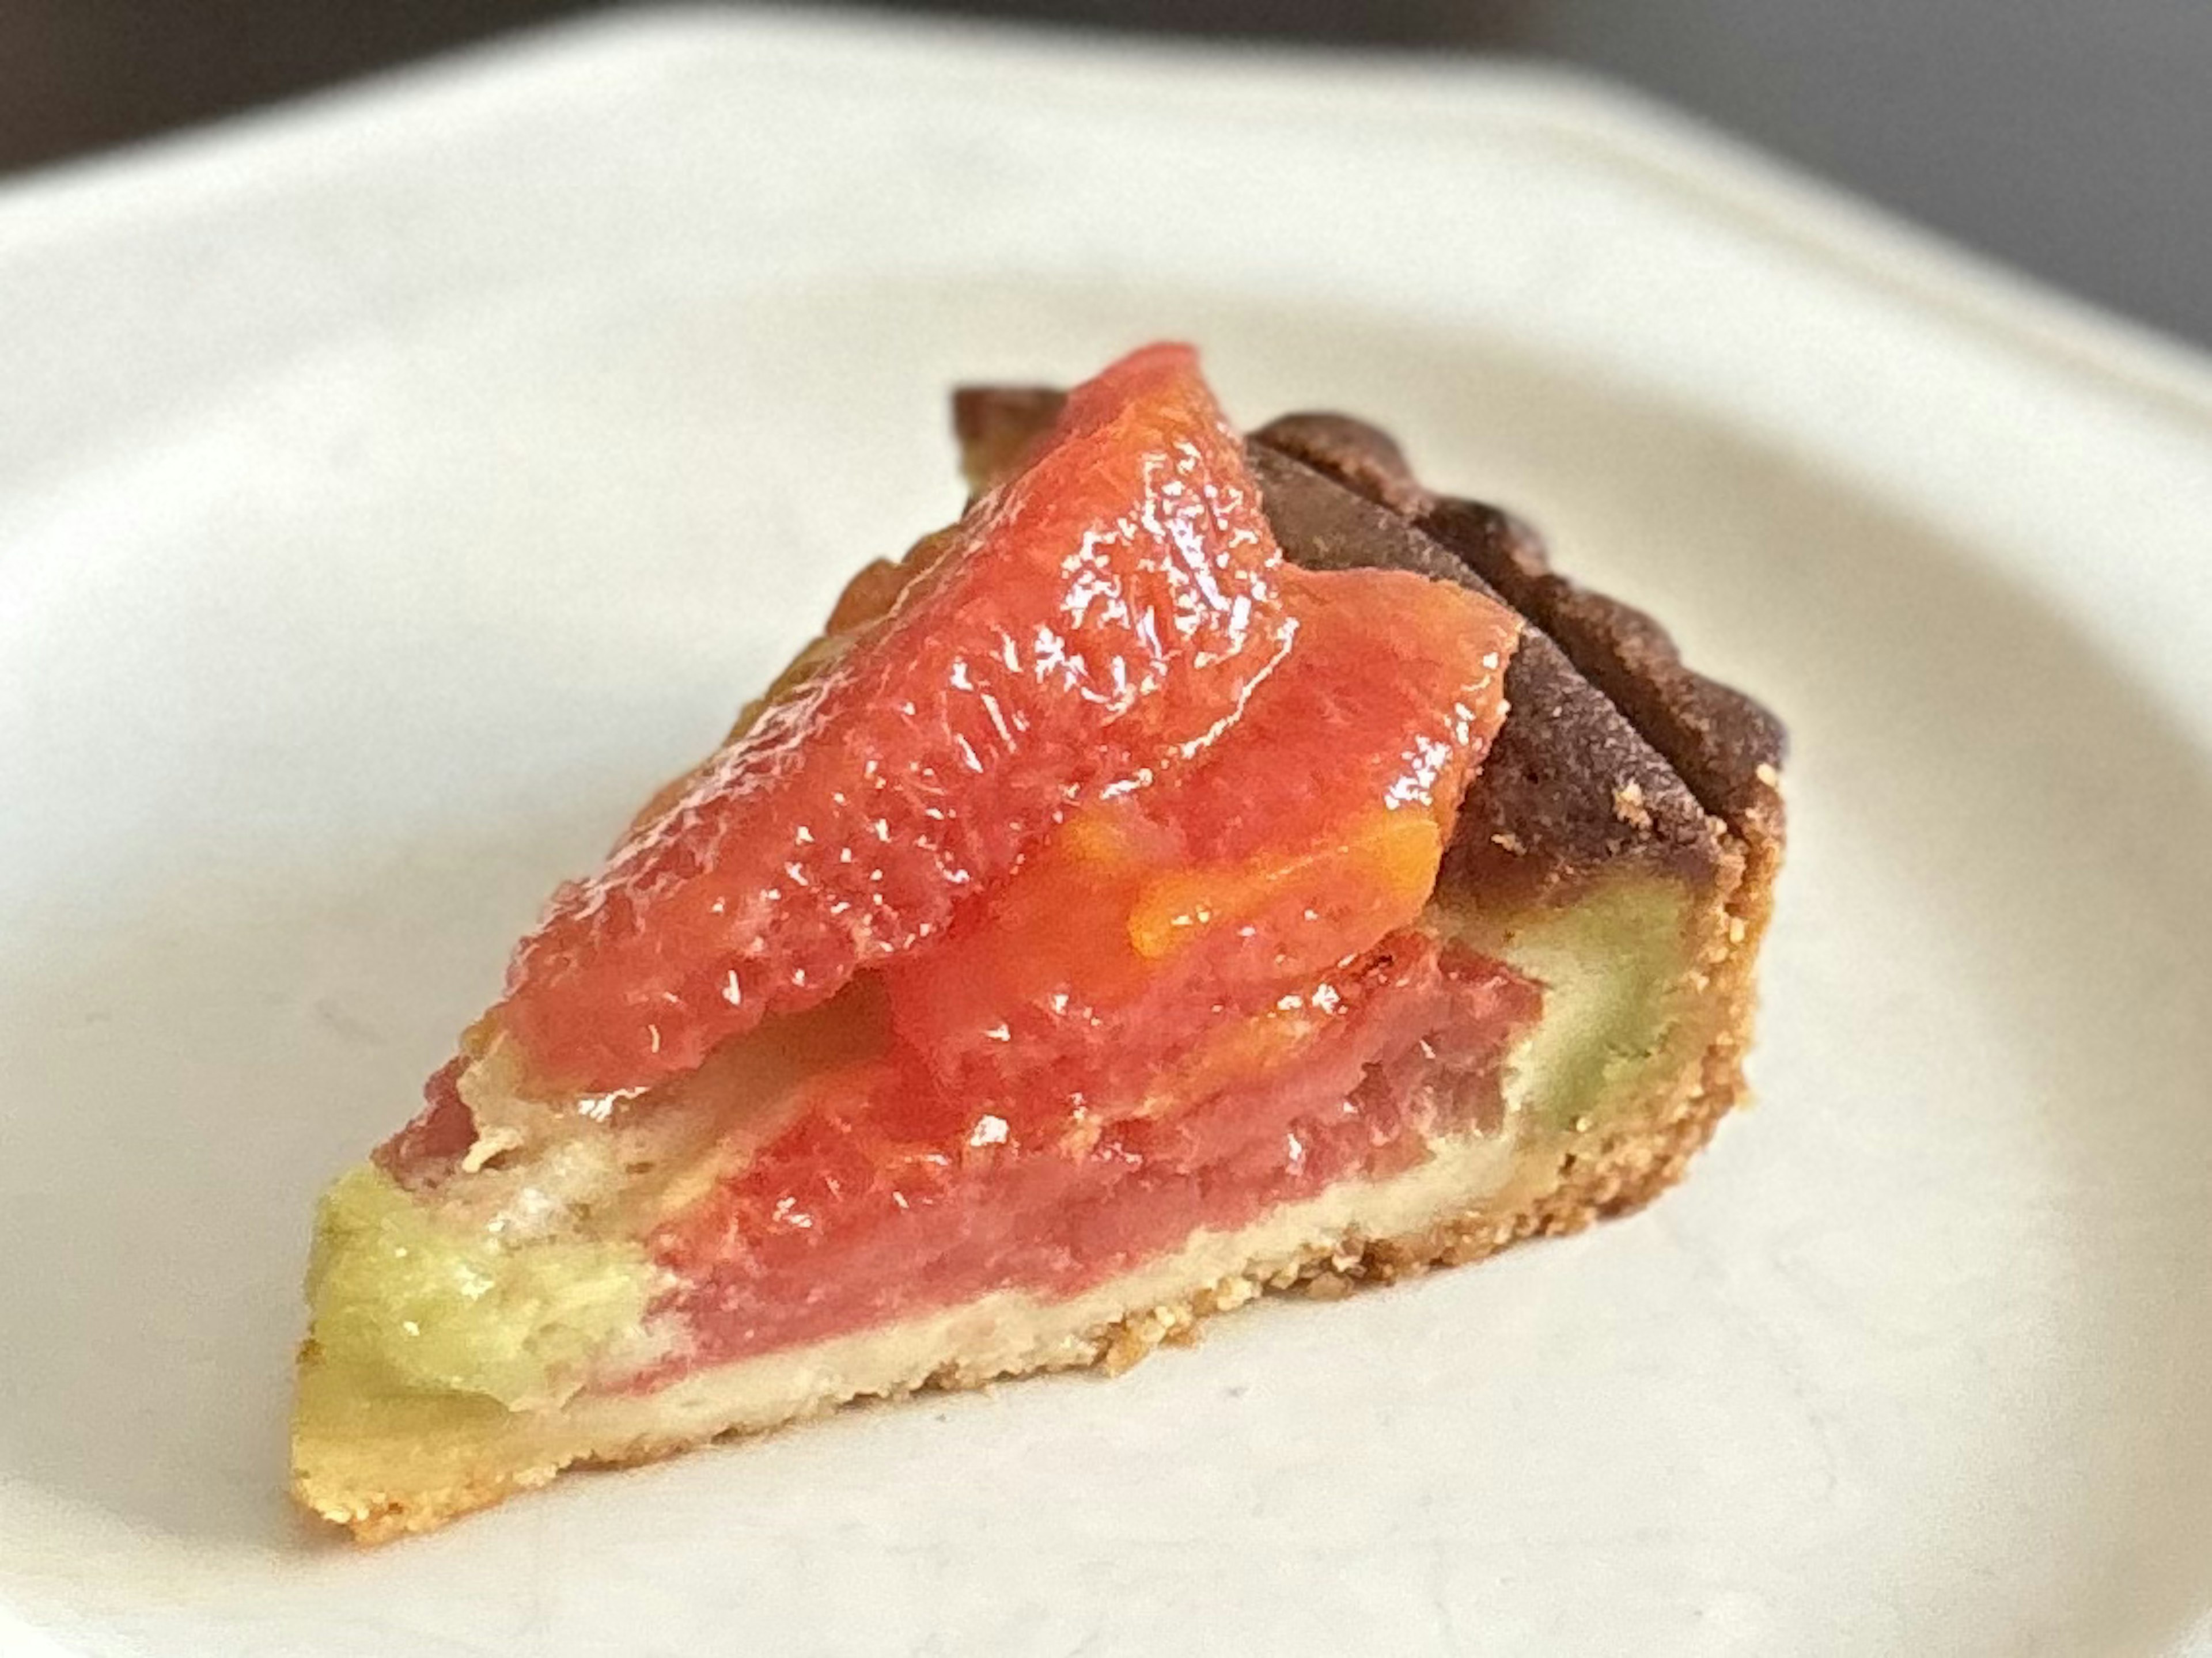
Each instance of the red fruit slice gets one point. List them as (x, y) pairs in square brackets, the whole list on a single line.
[(1193, 1002), (1102, 612), (888, 1196), (1300, 839)]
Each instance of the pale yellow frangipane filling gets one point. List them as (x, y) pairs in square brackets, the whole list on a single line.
[(406, 1300), (1613, 965), (527, 1302)]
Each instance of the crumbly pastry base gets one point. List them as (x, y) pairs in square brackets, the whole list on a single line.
[(387, 1468), (385, 1475)]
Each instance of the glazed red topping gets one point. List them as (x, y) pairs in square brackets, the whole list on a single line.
[(888, 1196), (1125, 833), (1305, 835), (1101, 612), (1196, 1001)]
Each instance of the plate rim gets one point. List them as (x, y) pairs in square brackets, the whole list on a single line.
[(1697, 167), (1699, 164)]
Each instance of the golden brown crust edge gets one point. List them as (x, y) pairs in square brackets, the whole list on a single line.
[(1620, 1173), (1613, 1170), (1604, 1175), (1723, 744), (1646, 1145)]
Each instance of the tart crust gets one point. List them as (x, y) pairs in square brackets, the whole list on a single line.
[(385, 1473), (1617, 770)]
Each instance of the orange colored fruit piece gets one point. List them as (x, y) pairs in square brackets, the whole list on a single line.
[(1192, 1001), (1098, 615), (888, 1196), (1310, 831)]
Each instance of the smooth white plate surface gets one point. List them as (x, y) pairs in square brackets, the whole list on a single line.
[(393, 490)]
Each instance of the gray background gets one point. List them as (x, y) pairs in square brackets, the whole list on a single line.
[(2072, 138)]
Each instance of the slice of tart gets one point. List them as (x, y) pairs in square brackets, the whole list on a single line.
[(1204, 868)]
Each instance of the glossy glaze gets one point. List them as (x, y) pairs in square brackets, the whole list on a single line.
[(1105, 611), (891, 1195), (1199, 999)]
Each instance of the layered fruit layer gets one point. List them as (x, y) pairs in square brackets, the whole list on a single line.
[(888, 1196), (1104, 612), (1072, 901)]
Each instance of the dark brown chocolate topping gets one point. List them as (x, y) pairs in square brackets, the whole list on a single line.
[(1612, 752), (1726, 748), (1569, 784)]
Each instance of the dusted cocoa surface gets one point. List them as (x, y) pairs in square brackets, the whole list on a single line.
[(1724, 746), (1571, 785), (1614, 753), (1571, 788)]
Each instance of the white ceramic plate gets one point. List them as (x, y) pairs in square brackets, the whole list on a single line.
[(394, 489)]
